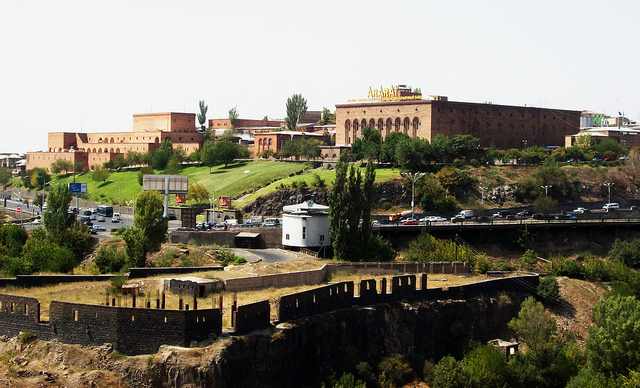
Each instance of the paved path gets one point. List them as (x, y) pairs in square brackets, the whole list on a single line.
[(269, 255)]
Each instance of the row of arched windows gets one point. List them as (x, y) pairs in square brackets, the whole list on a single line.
[(385, 126)]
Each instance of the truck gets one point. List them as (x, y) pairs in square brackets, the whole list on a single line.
[(463, 215)]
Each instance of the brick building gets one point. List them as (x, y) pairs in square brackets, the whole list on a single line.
[(276, 140), (149, 131), (501, 125)]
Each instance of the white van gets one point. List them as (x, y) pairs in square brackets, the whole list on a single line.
[(271, 222), (116, 217), (611, 205)]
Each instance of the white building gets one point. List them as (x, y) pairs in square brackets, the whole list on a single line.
[(305, 225)]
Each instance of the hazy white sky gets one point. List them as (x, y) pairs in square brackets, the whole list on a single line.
[(89, 66)]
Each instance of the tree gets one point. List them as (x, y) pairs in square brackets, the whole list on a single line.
[(208, 154), (367, 146), (59, 165), (546, 205), (38, 177), (389, 146), (149, 228), (100, 175), (233, 116), (198, 193), (612, 345), (147, 170), (5, 175), (174, 166), (78, 167), (225, 152), (202, 116), (160, 157), (534, 325), (57, 219), (296, 108), (350, 200), (328, 118), (410, 153)]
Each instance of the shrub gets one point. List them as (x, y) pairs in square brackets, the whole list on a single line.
[(548, 288), (529, 259), (26, 337), (110, 259)]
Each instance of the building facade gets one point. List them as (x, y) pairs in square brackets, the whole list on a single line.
[(149, 131), (500, 125)]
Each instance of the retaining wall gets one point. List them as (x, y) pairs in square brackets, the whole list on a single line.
[(251, 317)]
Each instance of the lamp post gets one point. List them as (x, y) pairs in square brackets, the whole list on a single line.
[(413, 176), (524, 144), (482, 188), (546, 189), (609, 184)]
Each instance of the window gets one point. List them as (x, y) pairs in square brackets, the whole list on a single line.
[(304, 232), (322, 238), (286, 237)]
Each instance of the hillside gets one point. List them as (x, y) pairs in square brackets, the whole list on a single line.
[(26, 363)]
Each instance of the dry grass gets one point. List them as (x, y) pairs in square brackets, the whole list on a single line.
[(151, 289)]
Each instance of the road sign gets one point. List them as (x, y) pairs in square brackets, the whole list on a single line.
[(17, 210), (77, 188)]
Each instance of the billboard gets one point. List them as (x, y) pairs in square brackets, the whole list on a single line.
[(224, 201), (178, 184), (77, 188)]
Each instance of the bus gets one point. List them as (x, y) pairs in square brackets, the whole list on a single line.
[(105, 210)]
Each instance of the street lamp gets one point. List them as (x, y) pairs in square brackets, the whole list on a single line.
[(609, 184), (482, 188), (413, 176), (524, 144), (546, 189)]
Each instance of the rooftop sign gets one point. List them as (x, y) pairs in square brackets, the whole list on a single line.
[(387, 94)]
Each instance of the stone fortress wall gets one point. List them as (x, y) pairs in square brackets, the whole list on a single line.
[(142, 330)]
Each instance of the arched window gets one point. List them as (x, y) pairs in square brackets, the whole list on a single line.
[(157, 140), (380, 125), (405, 126), (397, 124), (389, 126), (499, 127), (113, 141), (363, 124), (372, 124), (416, 124)]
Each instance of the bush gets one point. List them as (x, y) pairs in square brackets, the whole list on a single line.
[(110, 259), (548, 288)]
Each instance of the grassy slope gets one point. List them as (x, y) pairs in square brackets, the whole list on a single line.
[(236, 179)]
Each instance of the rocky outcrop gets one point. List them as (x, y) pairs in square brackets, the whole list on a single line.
[(296, 353)]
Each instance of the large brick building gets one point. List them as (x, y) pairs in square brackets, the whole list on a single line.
[(149, 131), (501, 125)]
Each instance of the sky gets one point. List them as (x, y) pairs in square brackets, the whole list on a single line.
[(89, 66)]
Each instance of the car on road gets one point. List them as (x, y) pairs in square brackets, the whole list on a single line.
[(502, 214), (409, 221), (101, 219), (611, 205), (524, 213), (579, 210), (433, 219), (116, 217), (37, 221), (98, 228), (565, 217)]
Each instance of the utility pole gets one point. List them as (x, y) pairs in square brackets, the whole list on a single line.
[(546, 189), (482, 188)]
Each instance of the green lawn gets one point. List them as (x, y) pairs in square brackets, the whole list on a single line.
[(255, 178)]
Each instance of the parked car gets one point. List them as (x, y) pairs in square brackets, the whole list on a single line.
[(101, 219), (611, 205), (271, 222), (579, 210)]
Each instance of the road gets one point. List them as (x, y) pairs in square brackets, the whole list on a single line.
[(269, 255)]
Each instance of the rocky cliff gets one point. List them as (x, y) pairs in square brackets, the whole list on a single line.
[(294, 354)]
